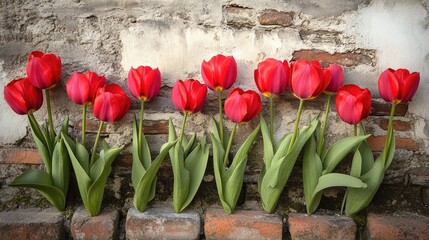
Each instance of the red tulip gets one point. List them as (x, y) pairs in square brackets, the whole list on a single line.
[(398, 86), (111, 103), (144, 82), (307, 81), (220, 72), (189, 95), (81, 88), (353, 103), (242, 106), (336, 78), (44, 70), (272, 76), (22, 96)]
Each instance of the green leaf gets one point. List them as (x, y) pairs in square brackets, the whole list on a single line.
[(190, 145), (338, 180), (311, 171), (268, 145), (181, 178), (196, 164), (339, 150), (218, 168), (276, 177), (61, 167), (356, 168), (358, 199), (82, 156), (39, 139), (137, 170), (171, 131), (390, 149), (42, 182), (144, 188), (367, 157), (96, 190)]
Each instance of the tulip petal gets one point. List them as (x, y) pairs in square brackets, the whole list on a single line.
[(388, 86)]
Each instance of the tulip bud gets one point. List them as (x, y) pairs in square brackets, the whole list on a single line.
[(242, 106), (272, 76), (353, 103), (82, 88), (188, 95), (22, 96), (335, 76), (44, 70), (111, 103), (307, 81), (144, 82), (397, 86), (220, 72)]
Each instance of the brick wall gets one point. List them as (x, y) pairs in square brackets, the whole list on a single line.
[(109, 37)]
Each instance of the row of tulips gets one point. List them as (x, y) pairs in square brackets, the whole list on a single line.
[(189, 155)]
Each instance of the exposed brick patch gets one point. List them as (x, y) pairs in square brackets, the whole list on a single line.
[(91, 126), (162, 223), (418, 176), (19, 156), (274, 17), (425, 195), (32, 224), (242, 224), (320, 36), (103, 226), (302, 226), (238, 16), (348, 59), (377, 143), (398, 226), (155, 127), (381, 108), (398, 125)]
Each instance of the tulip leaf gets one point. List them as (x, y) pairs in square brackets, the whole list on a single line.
[(367, 157), (196, 164), (40, 140), (311, 171), (356, 168), (234, 184), (181, 177), (171, 131), (218, 168), (268, 145), (338, 180), (144, 188), (42, 182), (358, 199), (390, 149), (190, 145), (61, 167), (339, 150), (82, 156), (140, 163)]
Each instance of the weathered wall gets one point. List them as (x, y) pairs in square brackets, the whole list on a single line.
[(109, 37)]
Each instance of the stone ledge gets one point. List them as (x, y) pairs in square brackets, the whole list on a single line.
[(32, 223), (242, 224), (103, 226), (303, 226), (162, 223)]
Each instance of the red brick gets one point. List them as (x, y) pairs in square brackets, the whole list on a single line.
[(242, 224), (103, 226), (20, 156), (162, 223), (425, 195), (418, 176), (345, 59), (238, 16), (381, 108), (155, 127), (302, 226), (377, 143), (398, 125), (92, 126), (274, 17), (398, 226), (32, 224)]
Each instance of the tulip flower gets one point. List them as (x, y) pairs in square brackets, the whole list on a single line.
[(242, 106), (353, 103), (189, 157), (44, 70), (335, 76), (144, 82), (22, 96), (307, 81), (397, 86), (271, 77), (111, 103), (219, 74), (188, 96), (81, 89)]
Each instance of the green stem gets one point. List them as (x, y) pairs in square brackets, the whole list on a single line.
[(182, 131), (271, 119), (48, 104), (225, 159), (321, 142), (355, 129), (95, 144), (84, 123), (389, 131), (295, 130), (37, 129), (219, 99), (141, 128)]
